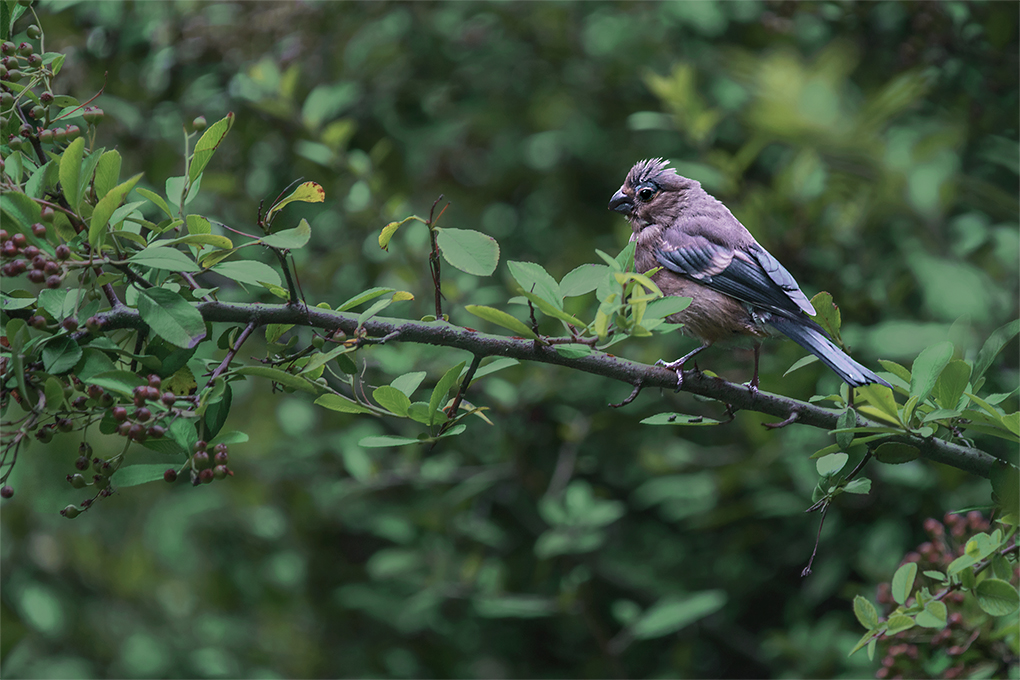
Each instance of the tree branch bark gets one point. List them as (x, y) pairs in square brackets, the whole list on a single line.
[(445, 334)]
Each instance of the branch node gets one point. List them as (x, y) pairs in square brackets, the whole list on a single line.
[(790, 419)]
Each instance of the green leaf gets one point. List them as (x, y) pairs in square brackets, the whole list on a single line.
[(672, 613), (449, 379), (251, 272), (865, 612), (281, 377), (121, 382), (60, 355), (933, 616), (927, 367), (107, 205), (289, 239), (362, 298), (831, 464), (491, 367), (533, 278), (883, 401), (207, 145), (861, 485), (133, 475), (513, 606), (107, 172), (159, 256), (171, 317), (70, 170), (549, 309), (1006, 486), (678, 419), (214, 240), (392, 399), (899, 371), (469, 251), (952, 383), (408, 382), (827, 315), (847, 418), (501, 318), (157, 199), (307, 192), (997, 597), (574, 350), (198, 225), (335, 402), (895, 453), (232, 437), (386, 440), (20, 208), (903, 582), (583, 279), (898, 623), (665, 306), (993, 345)]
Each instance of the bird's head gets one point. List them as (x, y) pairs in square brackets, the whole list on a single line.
[(652, 193)]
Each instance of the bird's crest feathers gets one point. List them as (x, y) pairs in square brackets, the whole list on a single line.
[(657, 170)]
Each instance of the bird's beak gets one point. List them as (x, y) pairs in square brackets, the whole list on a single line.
[(620, 203)]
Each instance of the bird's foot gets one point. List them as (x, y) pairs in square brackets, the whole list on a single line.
[(752, 386), (677, 367)]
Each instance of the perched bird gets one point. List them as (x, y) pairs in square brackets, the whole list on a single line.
[(736, 287)]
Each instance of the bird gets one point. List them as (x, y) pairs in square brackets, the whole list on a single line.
[(737, 288)]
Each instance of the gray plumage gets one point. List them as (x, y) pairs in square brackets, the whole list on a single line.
[(737, 288)]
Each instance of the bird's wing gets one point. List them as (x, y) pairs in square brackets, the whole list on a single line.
[(751, 275)]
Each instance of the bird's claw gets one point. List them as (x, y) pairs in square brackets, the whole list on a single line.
[(677, 367)]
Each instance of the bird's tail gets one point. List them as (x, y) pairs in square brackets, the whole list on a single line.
[(812, 338)]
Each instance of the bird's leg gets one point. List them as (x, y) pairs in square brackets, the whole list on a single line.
[(678, 365), (753, 386)]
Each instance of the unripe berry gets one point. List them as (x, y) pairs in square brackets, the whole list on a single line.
[(93, 325), (206, 476), (33, 32), (45, 434), (37, 112), (201, 460), (34, 60), (14, 75), (73, 132), (70, 512), (46, 98), (221, 457), (200, 445), (199, 123), (47, 214), (65, 424), (220, 471), (77, 481), (25, 49), (8, 47)]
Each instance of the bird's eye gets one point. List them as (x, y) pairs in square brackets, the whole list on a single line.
[(646, 193)]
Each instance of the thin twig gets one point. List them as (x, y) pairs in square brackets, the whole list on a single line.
[(633, 395), (233, 350), (792, 418), (818, 538)]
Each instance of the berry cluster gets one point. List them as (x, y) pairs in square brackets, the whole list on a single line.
[(28, 119), (205, 467), (913, 651), (20, 253)]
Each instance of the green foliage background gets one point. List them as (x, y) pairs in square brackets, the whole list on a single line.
[(871, 147)]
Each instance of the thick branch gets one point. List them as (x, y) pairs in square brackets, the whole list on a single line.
[(482, 344)]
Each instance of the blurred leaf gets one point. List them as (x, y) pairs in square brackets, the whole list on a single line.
[(278, 376), (449, 379), (335, 402), (894, 453), (133, 475), (831, 464), (674, 613), (827, 315), (993, 345), (678, 419), (469, 251), (933, 616)]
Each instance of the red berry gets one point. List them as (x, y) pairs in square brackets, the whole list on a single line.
[(30, 251), (157, 431), (51, 267), (200, 445), (53, 281), (137, 432), (9, 249), (221, 457), (168, 398), (142, 414), (39, 230), (201, 459), (170, 476), (36, 276), (154, 380), (20, 240), (6, 491), (62, 252), (124, 429), (119, 413), (39, 261), (220, 471), (37, 322), (206, 476), (152, 393), (70, 324)]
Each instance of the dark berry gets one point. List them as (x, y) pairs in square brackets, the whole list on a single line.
[(79, 403), (65, 424), (3, 232), (124, 429), (39, 230), (142, 414), (82, 463), (6, 491), (152, 393), (36, 276), (45, 434), (17, 266), (39, 261), (156, 431), (53, 281), (46, 98), (201, 459), (168, 398), (137, 432), (20, 240), (206, 476), (51, 267), (70, 324), (37, 322), (221, 457), (95, 391), (62, 252), (170, 476), (8, 249), (154, 380), (119, 413), (30, 251)]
